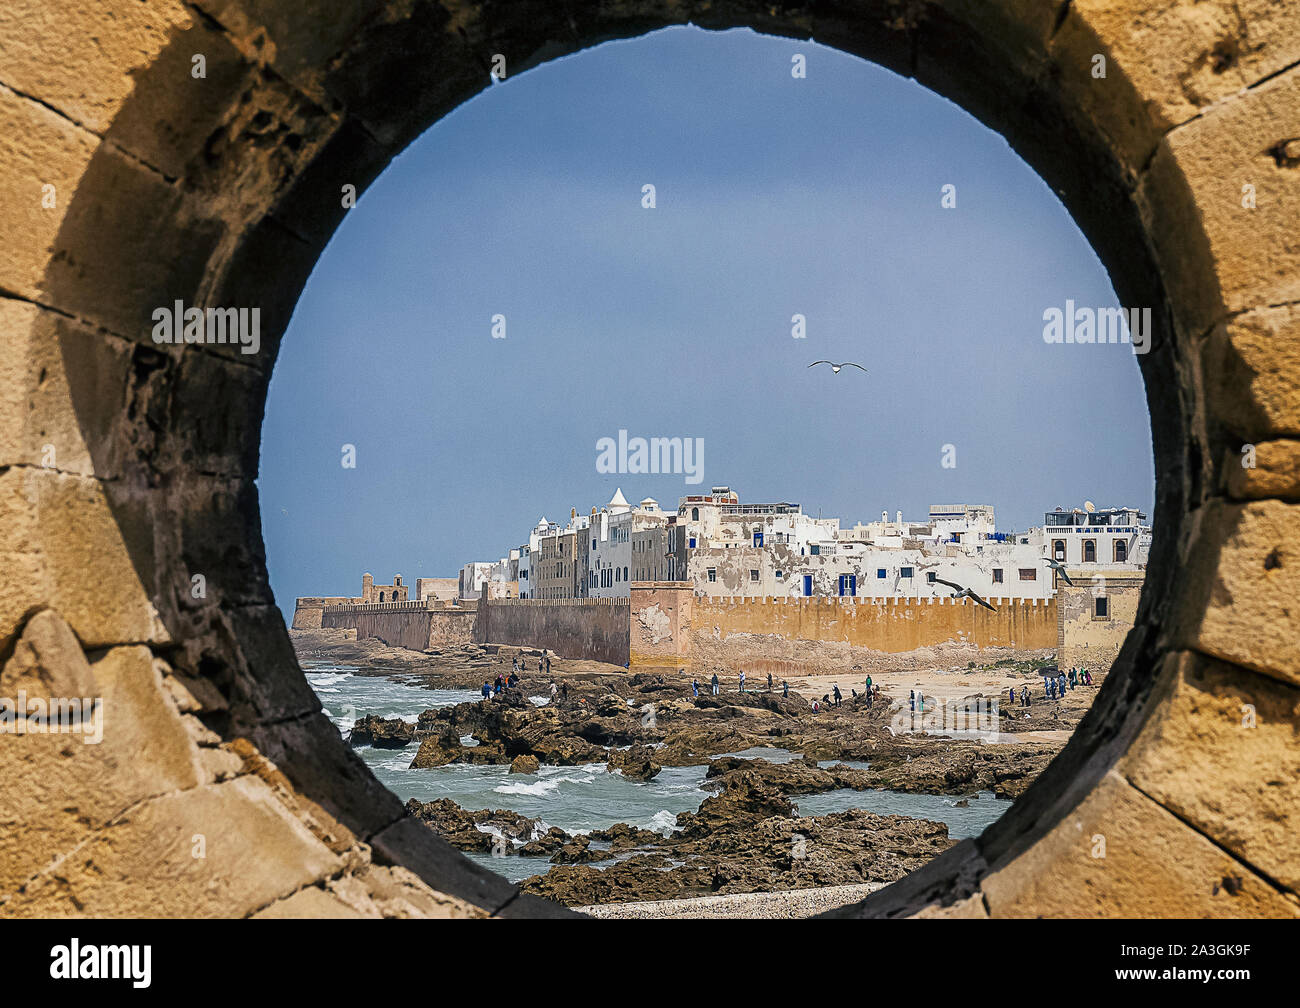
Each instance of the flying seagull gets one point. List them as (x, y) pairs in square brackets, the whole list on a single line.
[(836, 367), (1059, 567), (960, 592)]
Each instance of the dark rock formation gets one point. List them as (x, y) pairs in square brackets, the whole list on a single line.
[(382, 733)]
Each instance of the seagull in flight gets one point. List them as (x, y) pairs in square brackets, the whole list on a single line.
[(1059, 567), (959, 592), (836, 367)]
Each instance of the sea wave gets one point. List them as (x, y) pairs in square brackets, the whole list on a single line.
[(319, 679)]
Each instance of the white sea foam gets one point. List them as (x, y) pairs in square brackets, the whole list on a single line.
[(663, 822), (319, 679)]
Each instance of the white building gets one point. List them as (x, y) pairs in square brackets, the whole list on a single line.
[(610, 558), (1117, 537)]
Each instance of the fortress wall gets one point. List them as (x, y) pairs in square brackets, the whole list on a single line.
[(893, 626), (398, 624), (590, 629), (308, 611), (1091, 641), (661, 623), (449, 627)]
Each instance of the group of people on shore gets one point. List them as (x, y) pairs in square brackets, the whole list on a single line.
[(518, 664), (499, 685), (715, 685), (1055, 686)]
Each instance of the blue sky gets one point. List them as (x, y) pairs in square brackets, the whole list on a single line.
[(775, 196)]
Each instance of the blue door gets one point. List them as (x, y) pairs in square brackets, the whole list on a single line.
[(807, 585)]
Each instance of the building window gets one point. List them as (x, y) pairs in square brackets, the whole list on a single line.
[(1121, 551), (713, 574), (1028, 573), (815, 550), (1090, 551), (930, 576), (753, 575), (1058, 549), (997, 575), (624, 573), (758, 539), (779, 575), (905, 572), (881, 573), (1101, 607), (695, 514), (381, 596), (691, 542)]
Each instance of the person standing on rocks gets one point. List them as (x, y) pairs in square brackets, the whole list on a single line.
[(715, 684), (785, 689), (839, 697), (769, 682), (742, 680), (486, 690), (911, 700), (868, 684), (695, 688)]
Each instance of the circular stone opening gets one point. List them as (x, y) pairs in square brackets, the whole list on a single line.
[(209, 189), (807, 183)]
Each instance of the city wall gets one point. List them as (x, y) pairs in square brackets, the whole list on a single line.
[(1087, 640), (892, 625), (308, 612), (663, 625), (590, 629), (412, 625)]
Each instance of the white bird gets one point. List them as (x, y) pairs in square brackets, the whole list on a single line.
[(836, 367), (960, 592), (1059, 567)]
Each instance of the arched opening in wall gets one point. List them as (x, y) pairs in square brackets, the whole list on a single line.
[(786, 281)]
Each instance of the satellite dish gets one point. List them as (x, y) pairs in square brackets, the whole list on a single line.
[(1089, 506)]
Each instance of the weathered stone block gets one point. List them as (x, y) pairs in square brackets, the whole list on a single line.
[(1276, 472), (1221, 751), (1251, 257), (1240, 586), (75, 559), (1151, 861), (184, 854), (1251, 365), (59, 788), (37, 148), (79, 58)]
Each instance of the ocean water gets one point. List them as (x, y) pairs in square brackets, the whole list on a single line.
[(579, 799)]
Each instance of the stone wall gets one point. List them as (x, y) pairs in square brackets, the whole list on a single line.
[(590, 629), (660, 624), (1086, 639), (450, 626), (399, 624), (893, 626), (307, 611)]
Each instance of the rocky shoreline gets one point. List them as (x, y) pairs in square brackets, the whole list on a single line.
[(745, 837)]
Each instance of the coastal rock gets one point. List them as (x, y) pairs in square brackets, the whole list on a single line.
[(524, 765), (438, 749), (475, 830), (636, 763), (381, 733)]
